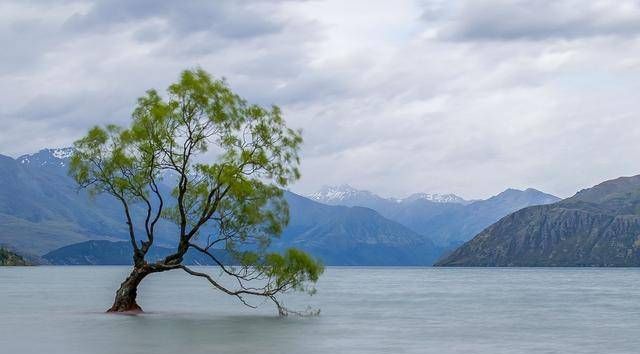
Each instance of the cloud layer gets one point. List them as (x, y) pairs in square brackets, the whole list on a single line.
[(538, 20), (469, 98)]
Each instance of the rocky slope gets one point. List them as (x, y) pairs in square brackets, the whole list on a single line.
[(599, 226)]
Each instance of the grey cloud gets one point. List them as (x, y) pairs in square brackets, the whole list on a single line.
[(463, 100), (50, 26), (70, 65), (24, 44), (77, 110), (536, 20), (227, 18)]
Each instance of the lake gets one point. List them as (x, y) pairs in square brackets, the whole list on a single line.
[(364, 310)]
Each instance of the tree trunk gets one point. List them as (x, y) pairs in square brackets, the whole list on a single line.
[(125, 300)]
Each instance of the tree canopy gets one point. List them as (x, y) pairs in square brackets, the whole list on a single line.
[(227, 162)]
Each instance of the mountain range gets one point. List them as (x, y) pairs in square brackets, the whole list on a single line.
[(446, 219), (599, 226), (44, 215), (353, 235), (349, 196), (41, 207)]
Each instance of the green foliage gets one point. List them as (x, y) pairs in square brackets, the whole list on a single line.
[(8, 258), (230, 159), (294, 269)]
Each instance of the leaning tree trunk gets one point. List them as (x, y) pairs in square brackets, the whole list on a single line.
[(125, 300)]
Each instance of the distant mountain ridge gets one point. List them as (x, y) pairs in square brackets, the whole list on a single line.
[(342, 235), (43, 212), (436, 198), (598, 226), (349, 196), (41, 207), (447, 224), (57, 156)]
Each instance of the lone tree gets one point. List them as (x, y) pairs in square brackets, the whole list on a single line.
[(227, 162)]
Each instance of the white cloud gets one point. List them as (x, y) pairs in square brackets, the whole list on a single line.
[(397, 98)]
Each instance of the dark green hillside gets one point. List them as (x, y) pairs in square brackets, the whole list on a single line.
[(599, 226), (8, 258)]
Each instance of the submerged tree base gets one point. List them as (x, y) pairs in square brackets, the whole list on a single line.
[(125, 301), (137, 311), (125, 308)]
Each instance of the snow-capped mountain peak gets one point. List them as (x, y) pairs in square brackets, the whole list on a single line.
[(436, 198), (347, 195), (62, 153), (57, 156), (336, 194)]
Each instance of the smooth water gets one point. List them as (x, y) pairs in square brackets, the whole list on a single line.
[(364, 310)]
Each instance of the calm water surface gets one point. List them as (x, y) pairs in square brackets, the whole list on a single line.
[(364, 310)]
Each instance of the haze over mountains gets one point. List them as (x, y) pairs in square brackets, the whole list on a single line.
[(42, 212), (41, 208), (599, 226), (448, 220), (349, 196)]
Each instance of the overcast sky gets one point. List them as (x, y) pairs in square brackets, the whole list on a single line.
[(467, 97)]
